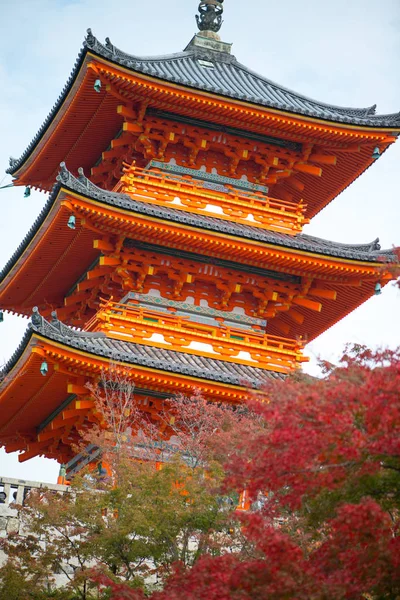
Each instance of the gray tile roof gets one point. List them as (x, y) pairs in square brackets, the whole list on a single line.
[(226, 77), (369, 252), (230, 78), (156, 358), (307, 243)]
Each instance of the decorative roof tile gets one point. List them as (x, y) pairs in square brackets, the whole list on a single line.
[(226, 77), (369, 252), (230, 78), (156, 358), (307, 243)]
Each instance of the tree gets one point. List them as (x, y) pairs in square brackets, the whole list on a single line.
[(321, 461), (327, 460), (161, 505), (333, 437)]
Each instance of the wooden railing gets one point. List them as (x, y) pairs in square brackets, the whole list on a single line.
[(185, 193), (174, 332)]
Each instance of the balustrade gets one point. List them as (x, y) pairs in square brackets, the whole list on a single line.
[(220, 201)]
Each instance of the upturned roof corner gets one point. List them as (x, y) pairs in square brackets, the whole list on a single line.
[(225, 76)]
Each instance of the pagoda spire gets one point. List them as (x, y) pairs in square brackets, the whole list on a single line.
[(210, 18)]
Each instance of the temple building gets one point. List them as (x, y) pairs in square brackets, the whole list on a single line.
[(171, 242)]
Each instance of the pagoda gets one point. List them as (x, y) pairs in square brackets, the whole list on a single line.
[(171, 242)]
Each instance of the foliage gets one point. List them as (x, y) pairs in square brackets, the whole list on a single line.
[(328, 456), (320, 459), (136, 523), (335, 436)]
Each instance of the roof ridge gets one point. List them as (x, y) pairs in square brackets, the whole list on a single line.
[(267, 93), (81, 184), (362, 112), (212, 369), (368, 247), (112, 52), (108, 50)]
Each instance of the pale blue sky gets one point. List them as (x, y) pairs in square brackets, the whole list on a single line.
[(343, 52)]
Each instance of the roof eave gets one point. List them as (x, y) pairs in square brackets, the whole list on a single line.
[(54, 116), (67, 183), (111, 54)]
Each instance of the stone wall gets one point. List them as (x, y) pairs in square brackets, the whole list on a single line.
[(14, 492)]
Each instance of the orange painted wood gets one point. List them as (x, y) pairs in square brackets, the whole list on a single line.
[(311, 304), (33, 449), (59, 422), (126, 112), (190, 195), (308, 169), (14, 447), (130, 323), (132, 127), (78, 390), (74, 412), (103, 246), (296, 316), (108, 261), (47, 435), (323, 159), (84, 404), (321, 293)]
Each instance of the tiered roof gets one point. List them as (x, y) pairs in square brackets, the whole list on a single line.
[(206, 174), (206, 85), (46, 415), (97, 344), (369, 252), (47, 266), (224, 76)]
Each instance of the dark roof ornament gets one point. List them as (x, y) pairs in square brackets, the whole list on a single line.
[(36, 317), (90, 39), (210, 18)]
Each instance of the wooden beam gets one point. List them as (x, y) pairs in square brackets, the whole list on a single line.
[(124, 111), (311, 304), (74, 298), (321, 293), (103, 246), (89, 284), (47, 435), (98, 272), (297, 185), (283, 174), (323, 159), (99, 170), (123, 140), (308, 169), (59, 422), (285, 195), (132, 127), (283, 327), (296, 316), (74, 412), (15, 446), (33, 450), (78, 390), (109, 261), (113, 153), (84, 404)]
